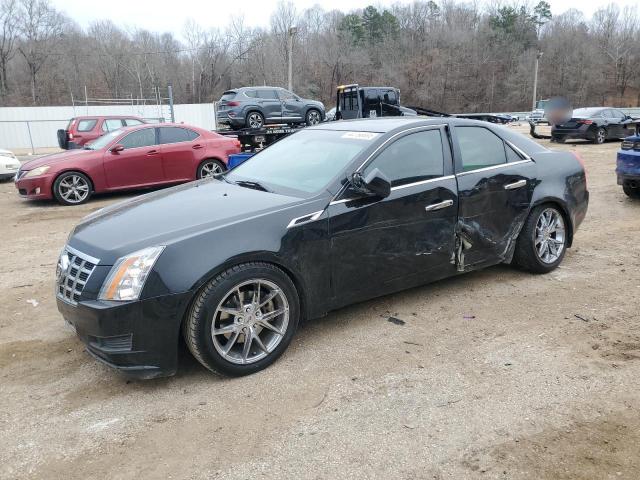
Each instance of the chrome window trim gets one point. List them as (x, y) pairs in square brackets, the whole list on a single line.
[(493, 167), (399, 187), (312, 218)]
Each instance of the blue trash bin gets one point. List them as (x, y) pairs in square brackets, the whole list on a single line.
[(238, 158)]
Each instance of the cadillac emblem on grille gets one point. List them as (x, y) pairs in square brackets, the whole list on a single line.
[(72, 273)]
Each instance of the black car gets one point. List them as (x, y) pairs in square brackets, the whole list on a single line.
[(254, 107), (328, 216), (596, 124)]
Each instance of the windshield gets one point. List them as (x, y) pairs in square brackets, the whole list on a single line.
[(541, 104), (304, 162), (103, 141)]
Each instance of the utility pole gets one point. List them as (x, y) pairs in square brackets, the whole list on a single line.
[(535, 81), (173, 117), (292, 32)]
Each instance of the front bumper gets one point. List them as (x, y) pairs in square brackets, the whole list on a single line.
[(138, 338), (36, 188)]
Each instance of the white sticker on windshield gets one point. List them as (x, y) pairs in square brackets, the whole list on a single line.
[(360, 135)]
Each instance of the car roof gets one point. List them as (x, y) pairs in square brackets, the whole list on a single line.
[(91, 117), (164, 124), (384, 124)]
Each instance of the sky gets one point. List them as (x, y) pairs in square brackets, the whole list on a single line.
[(153, 16)]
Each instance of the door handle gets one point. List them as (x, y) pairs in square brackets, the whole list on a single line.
[(438, 206), (514, 185), (197, 146), (152, 152)]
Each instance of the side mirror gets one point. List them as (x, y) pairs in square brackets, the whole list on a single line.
[(117, 148), (375, 182)]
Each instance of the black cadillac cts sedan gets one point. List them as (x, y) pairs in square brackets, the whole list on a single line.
[(334, 214)]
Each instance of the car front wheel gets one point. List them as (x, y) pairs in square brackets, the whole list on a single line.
[(243, 319), (72, 188), (631, 192), (542, 242), (313, 117)]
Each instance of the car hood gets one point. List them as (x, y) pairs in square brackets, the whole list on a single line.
[(56, 158), (314, 103), (165, 217)]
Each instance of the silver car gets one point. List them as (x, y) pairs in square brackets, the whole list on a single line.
[(254, 107)]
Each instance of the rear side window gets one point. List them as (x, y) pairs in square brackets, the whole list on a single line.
[(412, 158), (111, 124), (176, 135), (267, 94), (130, 122), (251, 93), (87, 125), (226, 96), (140, 138), (512, 155), (479, 148)]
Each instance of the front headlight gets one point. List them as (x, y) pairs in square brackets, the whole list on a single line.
[(127, 276), (37, 171)]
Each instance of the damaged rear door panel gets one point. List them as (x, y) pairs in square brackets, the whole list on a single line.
[(495, 187)]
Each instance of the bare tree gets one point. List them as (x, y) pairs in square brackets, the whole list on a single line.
[(41, 28), (8, 36)]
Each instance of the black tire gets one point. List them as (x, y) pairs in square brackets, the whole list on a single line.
[(526, 254), (313, 117), (61, 188), (600, 136), (209, 167), (196, 328), (254, 119), (631, 192)]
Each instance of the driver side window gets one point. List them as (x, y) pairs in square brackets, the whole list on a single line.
[(140, 138), (412, 158)]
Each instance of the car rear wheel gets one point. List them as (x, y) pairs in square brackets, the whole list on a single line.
[(600, 136), (631, 192), (313, 117), (255, 120), (243, 319), (542, 242), (72, 188), (210, 167)]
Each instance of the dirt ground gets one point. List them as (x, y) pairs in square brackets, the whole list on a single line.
[(497, 374)]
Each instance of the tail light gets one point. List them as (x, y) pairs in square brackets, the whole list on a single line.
[(233, 104), (70, 135), (581, 160), (585, 122)]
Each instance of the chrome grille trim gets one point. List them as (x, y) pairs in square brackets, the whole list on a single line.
[(70, 281)]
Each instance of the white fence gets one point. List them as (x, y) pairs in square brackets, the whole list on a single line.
[(35, 128)]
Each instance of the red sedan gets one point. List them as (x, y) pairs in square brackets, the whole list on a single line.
[(143, 156)]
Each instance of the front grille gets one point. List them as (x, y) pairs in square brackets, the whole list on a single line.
[(73, 272), (627, 145)]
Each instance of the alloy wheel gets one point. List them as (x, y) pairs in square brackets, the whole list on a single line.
[(74, 189), (602, 136), (549, 235), (313, 117), (250, 321), (255, 120), (209, 169)]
